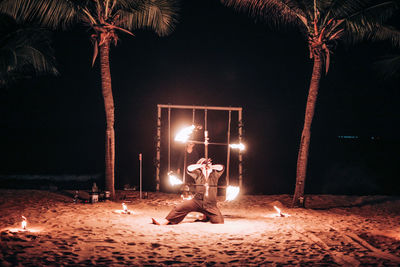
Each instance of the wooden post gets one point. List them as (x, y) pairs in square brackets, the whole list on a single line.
[(228, 156), (158, 148), (205, 135), (240, 152), (140, 175)]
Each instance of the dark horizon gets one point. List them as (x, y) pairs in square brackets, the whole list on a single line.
[(215, 57)]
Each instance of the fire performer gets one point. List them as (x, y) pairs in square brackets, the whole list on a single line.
[(206, 176)]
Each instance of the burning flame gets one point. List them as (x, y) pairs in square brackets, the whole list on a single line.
[(174, 180), (184, 134), (124, 207), (232, 192), (280, 212), (189, 197), (24, 223), (237, 146)]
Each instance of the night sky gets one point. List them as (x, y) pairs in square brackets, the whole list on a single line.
[(215, 57)]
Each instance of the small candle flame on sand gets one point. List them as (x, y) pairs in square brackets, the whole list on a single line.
[(279, 211), (24, 223), (124, 207)]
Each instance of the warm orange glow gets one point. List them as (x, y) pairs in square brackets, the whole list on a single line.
[(184, 134), (232, 192), (24, 223)]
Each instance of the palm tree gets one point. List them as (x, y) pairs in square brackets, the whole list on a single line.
[(105, 18), (323, 23), (25, 50)]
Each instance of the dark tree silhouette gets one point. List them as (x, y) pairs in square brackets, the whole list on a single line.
[(323, 23), (106, 18)]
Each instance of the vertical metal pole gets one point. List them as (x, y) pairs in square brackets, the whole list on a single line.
[(228, 156), (169, 139), (184, 165), (140, 175), (158, 148), (205, 135), (193, 113), (240, 152)]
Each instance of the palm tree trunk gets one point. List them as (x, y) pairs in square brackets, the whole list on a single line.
[(109, 110), (298, 197)]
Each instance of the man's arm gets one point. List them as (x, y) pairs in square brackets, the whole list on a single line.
[(218, 167), (193, 167)]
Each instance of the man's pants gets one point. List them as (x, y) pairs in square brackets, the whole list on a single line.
[(211, 211)]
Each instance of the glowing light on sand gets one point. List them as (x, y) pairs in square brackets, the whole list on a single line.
[(24, 223), (184, 134), (232, 192), (240, 146), (174, 180)]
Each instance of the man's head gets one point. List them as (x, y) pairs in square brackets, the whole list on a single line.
[(189, 147)]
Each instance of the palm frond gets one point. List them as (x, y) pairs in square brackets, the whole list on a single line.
[(373, 11), (372, 32), (49, 13), (24, 51), (275, 11), (158, 15)]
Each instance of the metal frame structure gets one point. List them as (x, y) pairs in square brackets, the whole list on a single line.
[(206, 143)]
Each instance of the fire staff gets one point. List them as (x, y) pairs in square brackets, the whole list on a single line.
[(206, 176)]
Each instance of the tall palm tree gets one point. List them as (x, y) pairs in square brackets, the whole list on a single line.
[(323, 23), (105, 18), (25, 50)]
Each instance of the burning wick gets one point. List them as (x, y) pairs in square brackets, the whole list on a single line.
[(279, 211), (24, 223)]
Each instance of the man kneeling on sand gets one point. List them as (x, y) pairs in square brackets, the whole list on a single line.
[(206, 176)]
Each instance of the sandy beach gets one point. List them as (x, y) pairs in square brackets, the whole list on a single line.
[(332, 231)]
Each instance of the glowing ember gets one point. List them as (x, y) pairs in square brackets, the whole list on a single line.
[(232, 192), (184, 134), (24, 223), (174, 180), (237, 146)]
